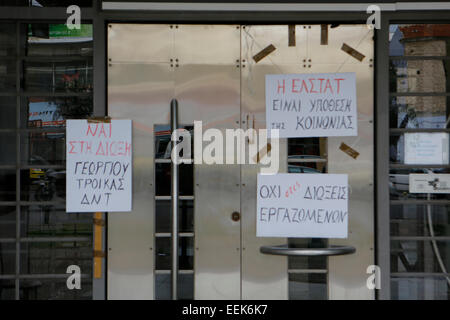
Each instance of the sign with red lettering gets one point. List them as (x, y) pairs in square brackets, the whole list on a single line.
[(312, 105), (98, 166), (299, 205)]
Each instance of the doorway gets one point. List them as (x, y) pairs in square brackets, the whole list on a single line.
[(216, 73)]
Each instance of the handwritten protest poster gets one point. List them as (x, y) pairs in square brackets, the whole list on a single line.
[(302, 205), (312, 105), (99, 165)]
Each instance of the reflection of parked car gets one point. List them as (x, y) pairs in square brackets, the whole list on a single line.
[(49, 182), (301, 169), (304, 157)]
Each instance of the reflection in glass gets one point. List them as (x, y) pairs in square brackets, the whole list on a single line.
[(399, 184), (52, 220), (7, 113), (7, 75), (163, 216), (54, 289), (397, 146), (185, 287), (307, 167), (163, 258), (420, 256), (43, 184), (7, 222), (420, 220), (57, 40), (7, 259), (163, 147), (7, 185), (419, 112), (50, 112), (420, 288), (308, 286), (58, 76), (7, 40), (418, 39), (8, 148), (306, 148), (55, 257), (163, 180)]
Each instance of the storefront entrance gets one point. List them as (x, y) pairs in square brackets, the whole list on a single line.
[(217, 75)]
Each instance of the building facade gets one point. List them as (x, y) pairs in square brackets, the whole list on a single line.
[(129, 60)]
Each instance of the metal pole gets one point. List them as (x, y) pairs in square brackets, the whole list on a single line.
[(174, 171)]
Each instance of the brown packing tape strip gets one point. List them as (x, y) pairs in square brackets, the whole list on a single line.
[(264, 53), (99, 222), (99, 254), (99, 120), (349, 150), (98, 247), (323, 34), (262, 153), (353, 52), (291, 40)]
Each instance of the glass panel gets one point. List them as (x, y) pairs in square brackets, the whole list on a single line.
[(419, 75), (7, 39), (55, 257), (307, 286), (43, 184), (7, 259), (163, 260), (7, 289), (58, 40), (307, 262), (397, 147), (307, 167), (399, 184), (43, 148), (7, 222), (7, 185), (7, 112), (306, 148), (8, 148), (420, 288), (419, 112), (185, 287), (53, 221), (58, 76), (7, 75), (419, 256), (163, 179), (418, 39), (163, 147), (50, 112), (416, 220), (163, 221), (54, 289)]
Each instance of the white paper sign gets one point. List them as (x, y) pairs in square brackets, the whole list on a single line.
[(99, 165), (302, 205), (429, 183), (312, 105), (426, 148)]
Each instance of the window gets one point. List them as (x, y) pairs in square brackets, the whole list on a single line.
[(45, 78), (419, 104)]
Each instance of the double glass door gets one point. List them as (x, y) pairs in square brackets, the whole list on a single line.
[(218, 79)]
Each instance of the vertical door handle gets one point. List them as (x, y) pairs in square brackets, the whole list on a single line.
[(174, 194)]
